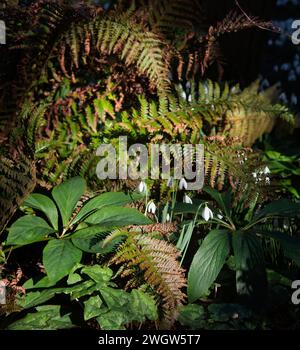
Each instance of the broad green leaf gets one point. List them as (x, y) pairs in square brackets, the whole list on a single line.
[(42, 283), (66, 196), (91, 240), (74, 278), (106, 199), (44, 204), (118, 217), (81, 289), (92, 307), (47, 317), (98, 274), (251, 279), (59, 257), (207, 263), (142, 305), (193, 316), (112, 320), (114, 298), (28, 229), (35, 298)]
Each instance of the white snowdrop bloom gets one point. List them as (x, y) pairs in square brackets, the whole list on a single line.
[(187, 199), (168, 218), (254, 175), (220, 216), (183, 95), (267, 179), (182, 184), (207, 214), (170, 182), (151, 207), (190, 98), (267, 170), (142, 187)]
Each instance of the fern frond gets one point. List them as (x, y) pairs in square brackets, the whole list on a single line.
[(157, 260)]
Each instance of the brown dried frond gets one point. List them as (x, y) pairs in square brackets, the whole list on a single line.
[(157, 260)]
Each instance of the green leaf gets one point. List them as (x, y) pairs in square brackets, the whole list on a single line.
[(92, 307), (118, 217), (142, 305), (192, 315), (35, 298), (114, 298), (47, 317), (112, 320), (81, 289), (251, 279), (98, 274), (28, 229), (44, 204), (207, 263), (106, 199), (66, 196), (59, 257), (91, 240), (42, 283)]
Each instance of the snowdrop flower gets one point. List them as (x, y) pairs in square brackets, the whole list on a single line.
[(187, 199), (207, 214), (182, 184), (254, 175), (142, 187), (170, 182), (168, 217), (267, 179), (190, 98), (220, 216), (266, 170), (151, 207)]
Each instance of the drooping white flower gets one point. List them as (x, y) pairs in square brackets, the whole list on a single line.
[(168, 217), (267, 170), (182, 184), (267, 179), (170, 182), (142, 187), (254, 175), (219, 216), (207, 214), (151, 207), (187, 199)]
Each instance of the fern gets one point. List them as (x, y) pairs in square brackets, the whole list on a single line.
[(157, 260)]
